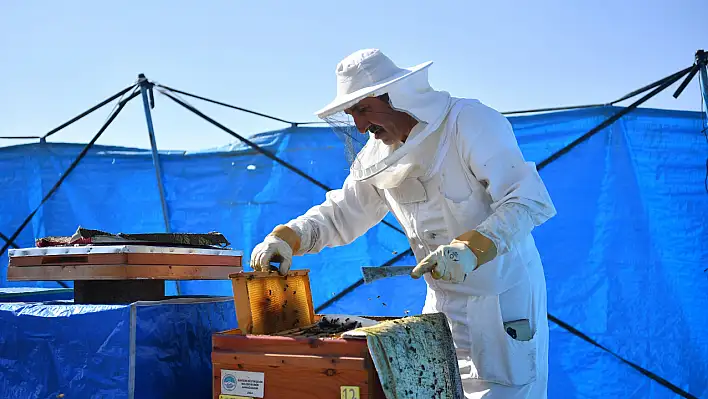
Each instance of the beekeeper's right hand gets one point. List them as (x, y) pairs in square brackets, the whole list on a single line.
[(277, 247)]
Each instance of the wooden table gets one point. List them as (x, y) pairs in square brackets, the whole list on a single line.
[(118, 274)]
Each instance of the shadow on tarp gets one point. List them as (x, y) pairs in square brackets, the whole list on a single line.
[(35, 294)]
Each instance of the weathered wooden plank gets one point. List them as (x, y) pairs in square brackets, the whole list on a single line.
[(118, 272), (234, 341), (69, 259), (184, 260), (127, 258), (292, 382), (323, 362)]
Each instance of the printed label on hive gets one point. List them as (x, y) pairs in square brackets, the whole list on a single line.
[(242, 383)]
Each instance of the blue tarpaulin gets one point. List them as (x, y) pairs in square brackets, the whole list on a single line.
[(34, 294), (624, 258), (143, 350)]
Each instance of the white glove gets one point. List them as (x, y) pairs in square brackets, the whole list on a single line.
[(272, 249), (450, 262)]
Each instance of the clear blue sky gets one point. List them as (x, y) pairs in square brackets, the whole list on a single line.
[(58, 58)]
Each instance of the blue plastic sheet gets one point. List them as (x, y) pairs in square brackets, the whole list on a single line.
[(624, 258), (79, 351), (35, 294), (143, 350)]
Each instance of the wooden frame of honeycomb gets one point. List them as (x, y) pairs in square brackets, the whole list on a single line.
[(268, 303)]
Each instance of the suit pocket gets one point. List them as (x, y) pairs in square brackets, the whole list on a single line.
[(496, 356)]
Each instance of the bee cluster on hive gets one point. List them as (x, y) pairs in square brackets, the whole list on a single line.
[(324, 328)]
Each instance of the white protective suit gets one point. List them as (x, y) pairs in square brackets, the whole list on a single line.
[(468, 175)]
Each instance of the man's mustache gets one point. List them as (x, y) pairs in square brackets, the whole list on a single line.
[(374, 128)]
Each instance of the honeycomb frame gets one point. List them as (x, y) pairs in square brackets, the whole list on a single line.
[(268, 303)]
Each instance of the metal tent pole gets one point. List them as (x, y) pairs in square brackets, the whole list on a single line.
[(66, 173), (704, 76), (148, 103)]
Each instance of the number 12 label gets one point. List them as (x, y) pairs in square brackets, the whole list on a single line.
[(349, 392)]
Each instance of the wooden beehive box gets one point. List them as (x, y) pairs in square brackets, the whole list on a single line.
[(269, 357), (276, 367)]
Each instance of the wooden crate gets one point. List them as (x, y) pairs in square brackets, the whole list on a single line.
[(274, 367)]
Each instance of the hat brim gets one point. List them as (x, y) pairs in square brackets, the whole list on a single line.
[(341, 103)]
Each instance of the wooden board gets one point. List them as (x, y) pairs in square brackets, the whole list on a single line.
[(118, 272), (128, 259), (296, 367), (122, 266)]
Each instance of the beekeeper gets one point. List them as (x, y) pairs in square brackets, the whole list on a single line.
[(452, 173)]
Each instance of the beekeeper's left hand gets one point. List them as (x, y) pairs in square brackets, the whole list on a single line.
[(450, 263)]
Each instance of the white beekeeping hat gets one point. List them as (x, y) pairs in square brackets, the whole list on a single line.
[(365, 73), (370, 73)]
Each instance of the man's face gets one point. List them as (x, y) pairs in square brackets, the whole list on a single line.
[(374, 114)]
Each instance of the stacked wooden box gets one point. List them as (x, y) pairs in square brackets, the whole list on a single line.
[(273, 355)]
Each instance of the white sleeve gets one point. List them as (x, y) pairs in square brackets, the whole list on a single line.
[(345, 215), (520, 199)]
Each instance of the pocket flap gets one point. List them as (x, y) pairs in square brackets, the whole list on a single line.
[(409, 192)]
